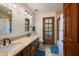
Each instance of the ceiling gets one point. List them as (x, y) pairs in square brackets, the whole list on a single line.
[(45, 7)]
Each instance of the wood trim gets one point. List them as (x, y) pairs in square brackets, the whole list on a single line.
[(58, 20)]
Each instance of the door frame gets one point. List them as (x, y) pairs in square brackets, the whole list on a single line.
[(52, 29), (58, 20)]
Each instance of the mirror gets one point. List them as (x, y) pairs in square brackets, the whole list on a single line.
[(5, 20)]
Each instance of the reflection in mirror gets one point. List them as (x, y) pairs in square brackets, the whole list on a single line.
[(5, 20), (26, 24)]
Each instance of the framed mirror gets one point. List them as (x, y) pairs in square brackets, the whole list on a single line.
[(5, 20)]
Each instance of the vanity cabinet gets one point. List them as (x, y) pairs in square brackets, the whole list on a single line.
[(34, 47), (33, 50), (18, 54), (37, 44), (26, 51), (30, 50)]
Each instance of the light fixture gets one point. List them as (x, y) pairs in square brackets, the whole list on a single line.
[(30, 16), (36, 10), (26, 13), (14, 5), (9, 12)]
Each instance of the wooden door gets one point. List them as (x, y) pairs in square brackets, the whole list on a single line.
[(48, 30), (71, 44)]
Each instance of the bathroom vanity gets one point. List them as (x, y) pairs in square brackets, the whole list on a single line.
[(30, 49), (26, 46)]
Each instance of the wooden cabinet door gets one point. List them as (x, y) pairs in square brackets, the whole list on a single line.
[(33, 48), (26, 51), (70, 30), (37, 45), (33, 51), (18, 54)]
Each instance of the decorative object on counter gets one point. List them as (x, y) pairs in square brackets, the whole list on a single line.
[(33, 28)]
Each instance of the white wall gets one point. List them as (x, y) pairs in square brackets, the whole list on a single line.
[(18, 19), (60, 43), (39, 22)]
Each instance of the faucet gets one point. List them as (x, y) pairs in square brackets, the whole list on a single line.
[(4, 41)]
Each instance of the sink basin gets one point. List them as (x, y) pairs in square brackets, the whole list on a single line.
[(10, 47)]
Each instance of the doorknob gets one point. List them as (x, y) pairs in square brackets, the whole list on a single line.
[(63, 40)]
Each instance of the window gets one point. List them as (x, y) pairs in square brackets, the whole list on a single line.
[(26, 24)]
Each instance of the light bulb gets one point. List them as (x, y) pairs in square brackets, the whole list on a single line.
[(14, 5)]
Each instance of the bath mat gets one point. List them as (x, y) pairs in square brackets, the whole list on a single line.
[(40, 53), (54, 49)]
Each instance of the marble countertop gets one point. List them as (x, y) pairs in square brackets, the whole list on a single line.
[(25, 41)]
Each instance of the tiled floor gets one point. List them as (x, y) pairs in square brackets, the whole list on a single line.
[(47, 50)]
